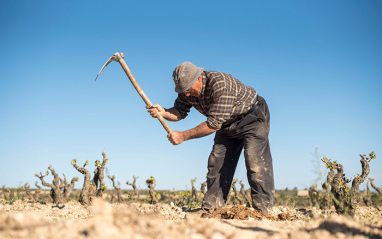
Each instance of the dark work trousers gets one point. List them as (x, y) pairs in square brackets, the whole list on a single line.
[(251, 133)]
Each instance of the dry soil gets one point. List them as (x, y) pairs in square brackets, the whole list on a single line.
[(141, 221)]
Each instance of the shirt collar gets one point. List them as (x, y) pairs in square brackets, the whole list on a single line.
[(204, 83)]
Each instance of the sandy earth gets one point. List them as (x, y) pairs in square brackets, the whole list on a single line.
[(140, 221)]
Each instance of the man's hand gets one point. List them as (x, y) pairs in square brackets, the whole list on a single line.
[(176, 137), (153, 110), (199, 131), (171, 114)]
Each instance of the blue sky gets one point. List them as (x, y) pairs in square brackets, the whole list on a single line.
[(317, 63)]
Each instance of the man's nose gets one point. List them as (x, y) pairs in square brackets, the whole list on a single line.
[(187, 94)]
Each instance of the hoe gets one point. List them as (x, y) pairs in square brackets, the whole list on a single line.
[(118, 57)]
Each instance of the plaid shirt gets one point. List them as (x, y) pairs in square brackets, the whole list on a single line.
[(222, 99)]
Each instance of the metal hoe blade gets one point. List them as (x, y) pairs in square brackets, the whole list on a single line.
[(107, 63)]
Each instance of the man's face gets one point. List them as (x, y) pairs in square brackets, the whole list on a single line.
[(196, 88)]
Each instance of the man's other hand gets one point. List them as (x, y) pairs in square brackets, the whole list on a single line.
[(176, 137), (153, 110)]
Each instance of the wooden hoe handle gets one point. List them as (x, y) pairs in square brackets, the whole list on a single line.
[(119, 58)]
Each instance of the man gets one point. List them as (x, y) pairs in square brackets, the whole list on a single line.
[(240, 118)]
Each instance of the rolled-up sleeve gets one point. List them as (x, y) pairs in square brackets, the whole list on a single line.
[(182, 106)]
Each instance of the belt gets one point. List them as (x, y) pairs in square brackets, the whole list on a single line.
[(252, 109)]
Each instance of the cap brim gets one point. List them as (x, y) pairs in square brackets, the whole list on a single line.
[(180, 90)]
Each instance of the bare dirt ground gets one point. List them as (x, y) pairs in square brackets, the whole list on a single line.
[(141, 221)]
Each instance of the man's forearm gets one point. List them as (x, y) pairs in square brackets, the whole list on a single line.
[(172, 114), (199, 131)]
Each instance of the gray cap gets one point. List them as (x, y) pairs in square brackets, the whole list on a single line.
[(185, 75)]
